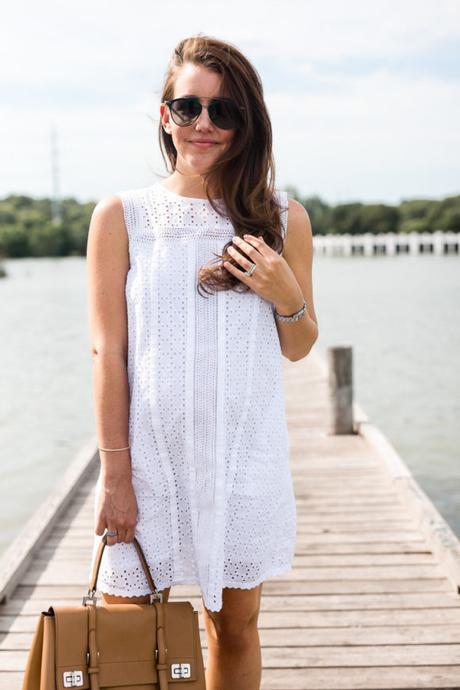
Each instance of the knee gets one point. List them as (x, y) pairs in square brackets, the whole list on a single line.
[(232, 629)]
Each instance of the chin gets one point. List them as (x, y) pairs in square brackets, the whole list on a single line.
[(199, 163)]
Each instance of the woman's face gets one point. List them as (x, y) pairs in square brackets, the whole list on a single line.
[(196, 80)]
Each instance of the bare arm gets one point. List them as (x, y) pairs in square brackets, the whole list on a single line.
[(285, 280), (297, 337), (107, 267)]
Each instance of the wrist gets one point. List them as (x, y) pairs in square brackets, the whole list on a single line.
[(288, 307), (115, 468)]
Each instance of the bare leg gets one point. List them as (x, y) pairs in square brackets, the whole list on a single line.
[(234, 655)]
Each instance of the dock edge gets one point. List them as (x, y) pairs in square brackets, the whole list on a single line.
[(16, 559), (435, 529)]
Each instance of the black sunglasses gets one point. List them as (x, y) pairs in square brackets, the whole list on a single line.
[(223, 112)]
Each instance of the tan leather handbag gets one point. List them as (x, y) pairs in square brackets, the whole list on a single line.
[(154, 646)]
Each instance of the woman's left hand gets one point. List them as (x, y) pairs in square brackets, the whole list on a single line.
[(272, 279)]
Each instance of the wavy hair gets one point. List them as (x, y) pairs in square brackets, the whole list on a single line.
[(244, 174)]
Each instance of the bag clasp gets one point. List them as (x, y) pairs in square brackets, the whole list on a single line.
[(72, 679)]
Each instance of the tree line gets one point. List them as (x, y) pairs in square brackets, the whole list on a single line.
[(355, 218), (26, 228)]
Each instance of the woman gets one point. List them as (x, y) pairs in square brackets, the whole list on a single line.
[(187, 358)]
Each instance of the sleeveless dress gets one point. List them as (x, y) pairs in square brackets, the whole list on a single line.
[(207, 424)]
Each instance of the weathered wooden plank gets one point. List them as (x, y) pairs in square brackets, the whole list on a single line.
[(299, 588), (306, 637), (22, 615), (320, 657), (280, 596), (10, 681), (276, 610), (376, 678), (362, 655), (398, 678), (413, 546)]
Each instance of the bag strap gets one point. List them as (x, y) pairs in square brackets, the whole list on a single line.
[(155, 594), (161, 657)]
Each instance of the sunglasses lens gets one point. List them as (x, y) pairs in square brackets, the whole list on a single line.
[(185, 110), (224, 114)]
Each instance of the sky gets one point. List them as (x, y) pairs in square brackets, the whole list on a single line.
[(363, 97)]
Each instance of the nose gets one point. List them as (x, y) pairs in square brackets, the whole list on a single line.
[(203, 121)]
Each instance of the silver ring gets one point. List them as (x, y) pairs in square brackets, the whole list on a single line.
[(112, 534), (251, 270)]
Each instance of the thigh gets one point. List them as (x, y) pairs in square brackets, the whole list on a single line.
[(114, 599)]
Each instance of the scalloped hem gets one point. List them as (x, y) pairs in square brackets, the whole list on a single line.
[(279, 570), (118, 591)]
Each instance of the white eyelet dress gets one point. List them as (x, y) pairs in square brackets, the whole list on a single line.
[(207, 424)]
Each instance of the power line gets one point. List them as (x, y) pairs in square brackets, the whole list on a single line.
[(56, 214)]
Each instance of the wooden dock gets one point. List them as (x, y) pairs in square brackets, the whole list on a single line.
[(373, 600)]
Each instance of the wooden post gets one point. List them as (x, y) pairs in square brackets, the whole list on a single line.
[(340, 368)]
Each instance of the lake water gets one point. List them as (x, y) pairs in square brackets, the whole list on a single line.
[(401, 315)]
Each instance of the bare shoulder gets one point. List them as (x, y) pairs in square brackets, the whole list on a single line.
[(108, 244), (298, 220), (107, 228), (299, 235), (108, 214)]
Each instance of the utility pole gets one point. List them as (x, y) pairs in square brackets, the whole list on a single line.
[(56, 215)]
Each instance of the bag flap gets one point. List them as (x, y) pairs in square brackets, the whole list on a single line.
[(126, 642), (180, 632), (71, 630)]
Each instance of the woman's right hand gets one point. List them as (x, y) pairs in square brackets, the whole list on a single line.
[(117, 509)]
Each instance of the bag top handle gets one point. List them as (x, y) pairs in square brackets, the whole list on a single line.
[(90, 597)]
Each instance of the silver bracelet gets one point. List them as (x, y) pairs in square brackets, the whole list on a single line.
[(292, 317)]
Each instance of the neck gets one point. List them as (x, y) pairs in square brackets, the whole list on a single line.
[(187, 184)]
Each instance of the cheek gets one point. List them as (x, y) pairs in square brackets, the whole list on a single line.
[(179, 137), (228, 138)]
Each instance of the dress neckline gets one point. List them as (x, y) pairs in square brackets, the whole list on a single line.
[(183, 198)]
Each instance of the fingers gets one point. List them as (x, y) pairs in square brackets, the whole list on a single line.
[(116, 533), (112, 539), (130, 534), (122, 536)]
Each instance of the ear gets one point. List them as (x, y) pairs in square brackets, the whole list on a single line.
[(164, 116)]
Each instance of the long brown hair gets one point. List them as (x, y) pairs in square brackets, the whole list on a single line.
[(245, 174)]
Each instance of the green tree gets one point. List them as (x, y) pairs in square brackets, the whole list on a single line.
[(379, 218)]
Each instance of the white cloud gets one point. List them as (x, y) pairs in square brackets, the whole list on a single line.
[(355, 111)]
